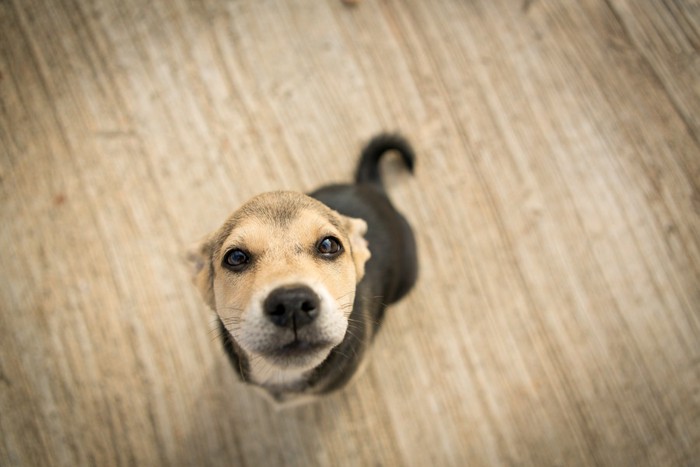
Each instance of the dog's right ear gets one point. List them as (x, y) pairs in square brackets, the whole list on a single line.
[(199, 259), (356, 230)]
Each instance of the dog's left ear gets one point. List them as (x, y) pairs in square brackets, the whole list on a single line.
[(356, 230), (199, 259)]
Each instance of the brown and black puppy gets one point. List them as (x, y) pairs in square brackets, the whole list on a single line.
[(300, 282)]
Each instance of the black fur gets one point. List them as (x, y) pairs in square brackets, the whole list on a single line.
[(368, 168)]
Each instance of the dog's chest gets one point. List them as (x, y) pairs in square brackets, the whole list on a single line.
[(279, 379)]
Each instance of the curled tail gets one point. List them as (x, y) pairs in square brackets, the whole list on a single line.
[(368, 169)]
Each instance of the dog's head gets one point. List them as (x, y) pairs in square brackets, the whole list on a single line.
[(281, 274)]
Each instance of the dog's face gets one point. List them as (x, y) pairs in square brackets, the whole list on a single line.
[(281, 274)]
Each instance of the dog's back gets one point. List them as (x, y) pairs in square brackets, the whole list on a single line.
[(392, 269), (393, 265)]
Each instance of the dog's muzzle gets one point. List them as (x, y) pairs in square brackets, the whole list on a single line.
[(292, 306)]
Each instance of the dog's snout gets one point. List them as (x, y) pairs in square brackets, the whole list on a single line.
[(292, 306)]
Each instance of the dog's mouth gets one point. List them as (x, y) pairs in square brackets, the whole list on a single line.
[(297, 351)]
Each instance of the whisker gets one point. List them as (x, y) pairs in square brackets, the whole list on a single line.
[(216, 337), (232, 321), (344, 295), (361, 340), (361, 322), (340, 353)]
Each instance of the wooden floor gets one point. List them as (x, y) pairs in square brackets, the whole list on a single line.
[(556, 203)]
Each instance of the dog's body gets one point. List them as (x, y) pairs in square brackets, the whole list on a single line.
[(290, 276)]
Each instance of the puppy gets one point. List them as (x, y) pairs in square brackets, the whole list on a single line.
[(300, 282)]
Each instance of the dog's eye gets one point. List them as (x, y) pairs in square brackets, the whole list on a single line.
[(330, 247), (236, 259)]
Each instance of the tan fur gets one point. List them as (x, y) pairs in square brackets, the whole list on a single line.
[(280, 230)]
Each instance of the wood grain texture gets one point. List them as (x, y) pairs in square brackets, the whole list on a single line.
[(556, 205)]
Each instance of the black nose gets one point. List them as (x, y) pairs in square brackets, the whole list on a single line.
[(292, 306)]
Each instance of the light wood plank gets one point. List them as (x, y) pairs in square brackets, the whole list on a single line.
[(555, 205)]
